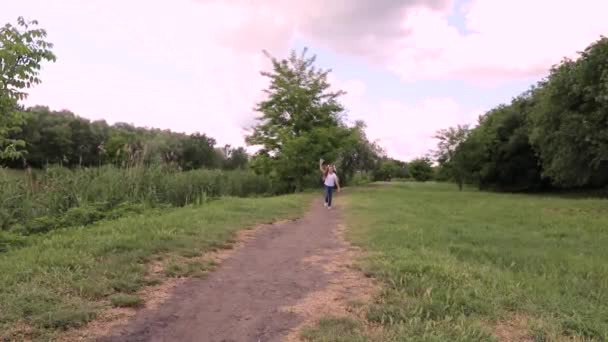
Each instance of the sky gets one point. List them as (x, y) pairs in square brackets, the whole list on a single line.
[(410, 67)]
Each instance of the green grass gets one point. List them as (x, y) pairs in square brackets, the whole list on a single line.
[(455, 265), (335, 329), (12, 173), (62, 279), (122, 300)]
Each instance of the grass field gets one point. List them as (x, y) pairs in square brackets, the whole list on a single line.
[(476, 266), (63, 279)]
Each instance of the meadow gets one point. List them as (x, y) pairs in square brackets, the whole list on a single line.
[(478, 266)]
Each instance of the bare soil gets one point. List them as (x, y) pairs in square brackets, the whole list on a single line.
[(280, 278)]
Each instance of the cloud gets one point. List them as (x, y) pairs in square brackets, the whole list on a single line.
[(193, 65), (406, 130), (358, 27), (155, 63), (506, 40), (509, 39)]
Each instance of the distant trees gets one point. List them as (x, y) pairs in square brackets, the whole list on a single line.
[(66, 139), (389, 169), (421, 169), (554, 135)]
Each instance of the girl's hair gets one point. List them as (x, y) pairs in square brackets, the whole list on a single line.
[(325, 167)]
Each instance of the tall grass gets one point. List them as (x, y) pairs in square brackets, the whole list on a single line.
[(58, 197)]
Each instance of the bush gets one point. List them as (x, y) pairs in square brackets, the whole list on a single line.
[(421, 169), (361, 178)]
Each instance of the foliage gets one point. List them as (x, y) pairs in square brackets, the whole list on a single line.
[(358, 153), (301, 122), (448, 141), (22, 50), (570, 122), (389, 169), (458, 266), (421, 169), (234, 158), (66, 139), (554, 135)]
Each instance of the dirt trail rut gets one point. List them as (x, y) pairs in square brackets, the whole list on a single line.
[(277, 281)]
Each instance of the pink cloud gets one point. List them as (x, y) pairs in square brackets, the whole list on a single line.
[(153, 63), (510, 39), (406, 130), (194, 65)]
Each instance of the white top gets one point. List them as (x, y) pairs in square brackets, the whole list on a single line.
[(331, 180)]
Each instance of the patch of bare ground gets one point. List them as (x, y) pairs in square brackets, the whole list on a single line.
[(514, 329), (283, 277), (18, 332), (155, 295), (346, 287)]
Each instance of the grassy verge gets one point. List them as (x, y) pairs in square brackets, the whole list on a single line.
[(476, 266), (62, 279)]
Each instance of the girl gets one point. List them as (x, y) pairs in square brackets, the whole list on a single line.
[(330, 180)]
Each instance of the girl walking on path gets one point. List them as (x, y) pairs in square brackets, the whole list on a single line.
[(330, 180)]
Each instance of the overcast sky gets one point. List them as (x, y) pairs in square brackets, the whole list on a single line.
[(410, 66)]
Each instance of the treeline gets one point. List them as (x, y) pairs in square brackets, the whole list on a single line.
[(554, 135), (63, 138)]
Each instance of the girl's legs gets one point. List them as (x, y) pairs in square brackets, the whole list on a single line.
[(329, 191)]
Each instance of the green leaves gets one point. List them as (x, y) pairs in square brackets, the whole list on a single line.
[(570, 122), (22, 50), (554, 134), (421, 169), (300, 121)]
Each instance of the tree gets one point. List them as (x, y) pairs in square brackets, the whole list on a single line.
[(300, 122), (570, 120), (358, 153), (389, 168), (497, 154), (22, 50), (198, 151), (421, 169), (234, 158), (448, 141)]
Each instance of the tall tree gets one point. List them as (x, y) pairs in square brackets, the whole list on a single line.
[(358, 153), (300, 121), (448, 141), (570, 121), (22, 50)]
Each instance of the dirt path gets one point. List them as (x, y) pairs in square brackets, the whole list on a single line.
[(286, 276)]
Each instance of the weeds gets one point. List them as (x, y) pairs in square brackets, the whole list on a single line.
[(58, 197)]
